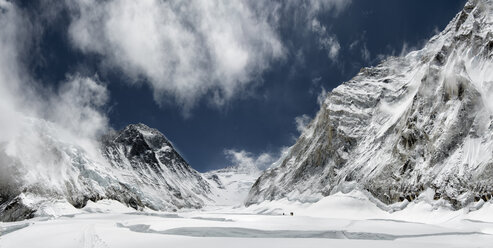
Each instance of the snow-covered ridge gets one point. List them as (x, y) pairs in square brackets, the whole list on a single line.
[(411, 124), (150, 163), (136, 166), (232, 184)]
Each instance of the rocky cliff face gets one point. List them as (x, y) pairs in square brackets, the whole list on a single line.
[(419, 122), (151, 164), (137, 166)]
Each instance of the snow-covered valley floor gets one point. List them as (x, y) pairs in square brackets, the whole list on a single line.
[(338, 221)]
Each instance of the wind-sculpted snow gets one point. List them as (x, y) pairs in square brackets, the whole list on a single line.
[(137, 166), (413, 123)]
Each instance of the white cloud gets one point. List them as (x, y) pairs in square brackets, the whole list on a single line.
[(10, 19), (322, 96), (308, 11), (248, 161), (302, 122), (77, 106), (405, 49), (185, 49), (353, 45), (27, 107), (365, 53), (188, 50), (311, 8), (323, 5), (327, 42)]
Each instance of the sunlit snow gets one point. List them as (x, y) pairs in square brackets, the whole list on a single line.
[(341, 220)]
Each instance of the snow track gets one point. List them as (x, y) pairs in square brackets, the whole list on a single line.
[(89, 238)]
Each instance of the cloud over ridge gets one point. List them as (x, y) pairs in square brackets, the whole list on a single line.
[(185, 50), (32, 115)]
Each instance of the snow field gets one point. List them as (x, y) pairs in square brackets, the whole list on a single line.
[(341, 220)]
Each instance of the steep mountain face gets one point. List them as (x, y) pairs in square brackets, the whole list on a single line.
[(137, 166), (150, 163), (230, 185), (414, 123)]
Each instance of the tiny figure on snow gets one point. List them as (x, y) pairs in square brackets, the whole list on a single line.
[(292, 213)]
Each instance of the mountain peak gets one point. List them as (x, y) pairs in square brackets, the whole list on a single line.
[(135, 129), (138, 167)]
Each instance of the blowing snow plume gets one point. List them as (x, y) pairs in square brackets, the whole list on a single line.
[(56, 145), (185, 51), (40, 126), (51, 150)]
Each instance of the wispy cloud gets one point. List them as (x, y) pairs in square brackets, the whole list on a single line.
[(365, 53), (311, 8), (250, 162), (190, 50), (34, 117), (327, 42), (322, 96), (302, 122), (11, 21), (361, 46), (184, 49)]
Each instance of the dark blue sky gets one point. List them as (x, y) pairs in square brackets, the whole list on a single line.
[(262, 121)]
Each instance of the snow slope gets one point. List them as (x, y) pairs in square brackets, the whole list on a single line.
[(413, 124), (137, 166), (232, 184), (341, 220), (147, 161)]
